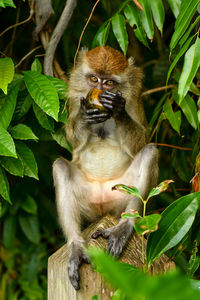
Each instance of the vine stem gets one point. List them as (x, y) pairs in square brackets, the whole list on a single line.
[(143, 251)]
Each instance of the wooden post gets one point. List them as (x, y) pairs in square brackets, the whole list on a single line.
[(91, 283)]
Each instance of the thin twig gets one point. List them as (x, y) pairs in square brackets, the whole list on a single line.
[(20, 23), (138, 5), (79, 43), (56, 36), (172, 146), (27, 55), (161, 88)]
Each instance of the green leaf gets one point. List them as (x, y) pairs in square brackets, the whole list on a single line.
[(36, 66), (4, 186), (9, 3), (163, 186), (127, 189), (60, 137), (101, 36), (132, 213), (7, 108), (147, 224), (95, 297), (45, 121), (43, 92), (6, 73), (9, 231), (175, 6), (146, 18), (173, 118), (187, 10), (175, 223), (189, 109), (178, 56), (158, 12), (186, 35), (119, 29), (29, 205), (30, 227), (22, 107), (157, 110), (30, 165), (190, 67), (22, 132), (63, 112), (133, 16), (7, 146), (60, 85), (13, 165)]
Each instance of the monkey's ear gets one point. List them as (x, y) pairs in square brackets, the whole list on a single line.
[(82, 54), (131, 61)]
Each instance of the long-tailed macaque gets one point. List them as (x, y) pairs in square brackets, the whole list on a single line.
[(108, 148)]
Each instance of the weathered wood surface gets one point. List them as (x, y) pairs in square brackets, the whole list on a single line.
[(59, 286)]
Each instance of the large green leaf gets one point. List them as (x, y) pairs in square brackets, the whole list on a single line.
[(60, 85), (178, 56), (158, 12), (30, 226), (189, 109), (30, 165), (7, 146), (6, 73), (146, 18), (4, 186), (190, 67), (133, 16), (147, 224), (173, 118), (13, 165), (187, 10), (45, 121), (175, 6), (43, 92), (8, 106), (119, 29), (22, 132), (186, 35), (101, 36), (175, 222)]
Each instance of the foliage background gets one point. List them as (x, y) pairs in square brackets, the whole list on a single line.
[(30, 231)]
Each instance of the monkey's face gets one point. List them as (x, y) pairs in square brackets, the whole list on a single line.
[(101, 82)]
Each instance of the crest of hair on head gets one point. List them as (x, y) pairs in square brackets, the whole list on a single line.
[(106, 60)]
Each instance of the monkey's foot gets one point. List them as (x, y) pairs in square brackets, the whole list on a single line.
[(76, 258), (117, 236)]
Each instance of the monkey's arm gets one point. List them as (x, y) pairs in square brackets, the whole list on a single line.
[(131, 134)]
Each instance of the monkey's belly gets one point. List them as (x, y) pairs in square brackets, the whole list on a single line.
[(104, 161)]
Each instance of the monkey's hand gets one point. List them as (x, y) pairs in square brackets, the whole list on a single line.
[(117, 236), (93, 115), (114, 102), (76, 258)]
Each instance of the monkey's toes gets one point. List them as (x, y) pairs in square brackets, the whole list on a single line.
[(98, 233), (115, 247)]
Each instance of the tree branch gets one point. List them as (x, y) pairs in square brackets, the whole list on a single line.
[(57, 33), (162, 88)]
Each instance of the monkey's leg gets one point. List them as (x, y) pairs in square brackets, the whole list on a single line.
[(67, 180), (143, 174)]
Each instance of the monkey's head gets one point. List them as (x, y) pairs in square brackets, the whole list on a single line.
[(104, 68)]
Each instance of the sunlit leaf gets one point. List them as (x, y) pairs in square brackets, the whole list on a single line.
[(60, 85), (127, 189), (147, 224), (189, 109), (186, 35), (6, 73), (7, 146), (22, 132), (119, 29), (36, 66), (175, 6), (190, 67), (12, 165), (43, 92), (102, 35), (163, 186), (158, 12)]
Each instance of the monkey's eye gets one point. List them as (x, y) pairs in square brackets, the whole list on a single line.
[(109, 82), (94, 79)]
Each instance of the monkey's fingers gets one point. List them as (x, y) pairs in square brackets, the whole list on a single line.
[(73, 272), (103, 233), (115, 246)]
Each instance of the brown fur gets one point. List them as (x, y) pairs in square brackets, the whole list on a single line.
[(106, 60)]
